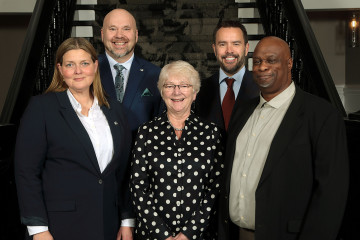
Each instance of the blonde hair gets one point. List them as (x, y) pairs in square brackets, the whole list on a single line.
[(180, 68), (58, 84)]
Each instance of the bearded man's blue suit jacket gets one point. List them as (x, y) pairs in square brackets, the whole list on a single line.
[(142, 100)]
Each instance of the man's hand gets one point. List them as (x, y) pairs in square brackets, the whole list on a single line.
[(125, 233), (180, 236), (43, 236)]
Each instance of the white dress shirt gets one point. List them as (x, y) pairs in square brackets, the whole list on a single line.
[(126, 65), (97, 127), (238, 77), (252, 148)]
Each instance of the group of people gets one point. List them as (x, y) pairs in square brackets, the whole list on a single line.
[(119, 149)]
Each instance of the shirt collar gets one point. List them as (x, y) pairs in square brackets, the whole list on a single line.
[(126, 64), (76, 105), (190, 119), (237, 76), (281, 98)]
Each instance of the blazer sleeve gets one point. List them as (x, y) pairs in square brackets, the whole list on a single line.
[(142, 197), (30, 155), (201, 218), (331, 176)]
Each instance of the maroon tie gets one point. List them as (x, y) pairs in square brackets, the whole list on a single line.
[(228, 101)]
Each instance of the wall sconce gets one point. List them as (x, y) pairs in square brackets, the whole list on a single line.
[(354, 31)]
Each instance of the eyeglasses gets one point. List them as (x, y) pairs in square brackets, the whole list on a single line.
[(182, 87)]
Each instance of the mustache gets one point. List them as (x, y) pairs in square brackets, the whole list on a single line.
[(125, 39), (230, 55)]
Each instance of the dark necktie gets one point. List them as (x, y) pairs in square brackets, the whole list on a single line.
[(119, 82), (228, 101)]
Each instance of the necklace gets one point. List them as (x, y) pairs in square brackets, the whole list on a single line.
[(176, 129)]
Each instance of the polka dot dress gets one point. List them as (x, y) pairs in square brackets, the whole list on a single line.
[(174, 182)]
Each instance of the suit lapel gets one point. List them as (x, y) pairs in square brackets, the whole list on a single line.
[(106, 76), (217, 110), (75, 124), (287, 129), (208, 104), (135, 77), (116, 132)]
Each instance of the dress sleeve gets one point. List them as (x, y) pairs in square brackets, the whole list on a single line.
[(200, 220), (142, 196), (30, 155)]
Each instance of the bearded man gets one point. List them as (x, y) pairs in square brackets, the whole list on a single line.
[(221, 94), (129, 79)]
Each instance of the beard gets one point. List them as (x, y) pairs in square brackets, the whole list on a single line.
[(238, 65), (119, 55)]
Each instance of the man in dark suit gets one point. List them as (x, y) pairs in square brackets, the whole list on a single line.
[(286, 166), (231, 48), (139, 94)]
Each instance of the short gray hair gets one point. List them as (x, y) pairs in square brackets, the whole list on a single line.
[(179, 68)]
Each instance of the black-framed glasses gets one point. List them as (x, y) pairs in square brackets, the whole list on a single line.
[(182, 87)]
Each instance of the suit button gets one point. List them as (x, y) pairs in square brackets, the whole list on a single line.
[(100, 181)]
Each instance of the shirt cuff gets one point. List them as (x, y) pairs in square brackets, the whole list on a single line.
[(130, 222), (37, 229)]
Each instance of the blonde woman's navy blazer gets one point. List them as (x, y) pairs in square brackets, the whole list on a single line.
[(58, 178)]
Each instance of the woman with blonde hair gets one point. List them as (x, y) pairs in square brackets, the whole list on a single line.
[(72, 154)]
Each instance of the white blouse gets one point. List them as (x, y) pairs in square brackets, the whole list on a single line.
[(97, 126)]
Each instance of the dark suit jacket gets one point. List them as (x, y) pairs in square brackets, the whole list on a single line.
[(208, 104), (303, 187), (58, 178), (142, 100)]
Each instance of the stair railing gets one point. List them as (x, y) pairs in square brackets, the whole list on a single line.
[(287, 19), (49, 25)]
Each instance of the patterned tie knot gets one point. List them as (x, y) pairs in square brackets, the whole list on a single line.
[(229, 82), (119, 67)]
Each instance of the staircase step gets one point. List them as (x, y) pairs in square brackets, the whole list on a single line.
[(82, 31), (86, 2), (248, 13), (254, 28), (84, 15), (245, 1)]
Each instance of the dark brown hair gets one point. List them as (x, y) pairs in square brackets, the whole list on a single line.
[(230, 24)]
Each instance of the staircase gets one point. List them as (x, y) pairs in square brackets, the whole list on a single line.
[(172, 30)]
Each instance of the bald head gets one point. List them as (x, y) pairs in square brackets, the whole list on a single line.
[(275, 42), (272, 66), (119, 13), (119, 35)]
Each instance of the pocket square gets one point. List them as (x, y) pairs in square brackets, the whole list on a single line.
[(146, 93)]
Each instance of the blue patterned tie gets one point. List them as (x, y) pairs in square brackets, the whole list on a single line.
[(119, 82)]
